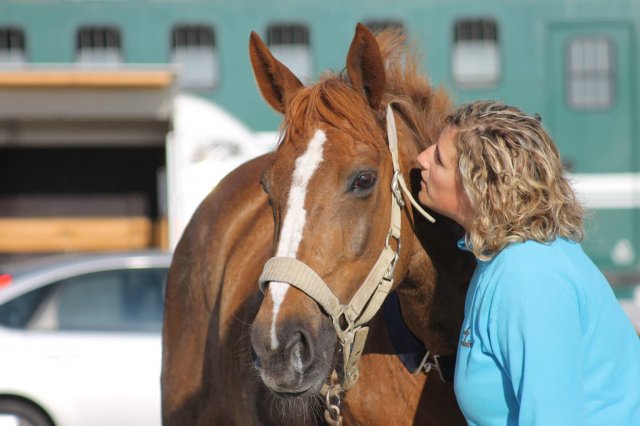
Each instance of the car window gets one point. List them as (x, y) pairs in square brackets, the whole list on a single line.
[(116, 300), (17, 312)]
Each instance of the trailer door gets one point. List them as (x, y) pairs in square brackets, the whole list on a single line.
[(592, 99)]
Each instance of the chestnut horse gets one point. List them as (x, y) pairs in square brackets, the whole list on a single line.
[(235, 355)]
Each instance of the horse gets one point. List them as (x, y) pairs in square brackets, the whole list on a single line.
[(238, 353)]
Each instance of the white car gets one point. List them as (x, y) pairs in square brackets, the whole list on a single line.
[(80, 342)]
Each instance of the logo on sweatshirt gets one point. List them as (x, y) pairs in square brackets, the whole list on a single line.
[(466, 339)]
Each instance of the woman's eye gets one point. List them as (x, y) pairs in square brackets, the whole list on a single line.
[(363, 182)]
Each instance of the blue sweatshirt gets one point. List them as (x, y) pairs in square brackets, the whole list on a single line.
[(545, 342)]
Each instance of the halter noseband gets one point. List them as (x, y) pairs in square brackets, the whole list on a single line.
[(348, 320)]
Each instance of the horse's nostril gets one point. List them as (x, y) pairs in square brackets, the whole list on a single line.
[(299, 349), (296, 356), (255, 358)]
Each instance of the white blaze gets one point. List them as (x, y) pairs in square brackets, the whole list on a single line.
[(295, 219)]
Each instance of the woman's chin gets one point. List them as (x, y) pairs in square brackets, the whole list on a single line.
[(422, 196)]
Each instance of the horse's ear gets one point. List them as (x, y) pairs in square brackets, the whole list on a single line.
[(276, 82), (365, 66)]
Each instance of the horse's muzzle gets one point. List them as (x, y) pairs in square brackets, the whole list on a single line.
[(301, 361)]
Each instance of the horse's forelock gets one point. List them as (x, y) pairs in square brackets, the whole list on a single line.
[(330, 103)]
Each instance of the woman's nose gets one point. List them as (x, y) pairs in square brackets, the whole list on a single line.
[(423, 158)]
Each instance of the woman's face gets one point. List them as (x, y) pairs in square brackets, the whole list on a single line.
[(440, 187)]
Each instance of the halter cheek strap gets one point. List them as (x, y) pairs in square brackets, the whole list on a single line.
[(348, 320), (392, 135)]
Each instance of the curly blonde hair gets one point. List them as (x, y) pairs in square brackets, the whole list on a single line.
[(511, 172)]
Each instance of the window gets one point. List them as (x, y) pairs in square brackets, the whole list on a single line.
[(377, 25), (289, 43), (590, 74), (98, 45), (17, 312), (117, 300), (476, 53), (193, 51), (12, 47)]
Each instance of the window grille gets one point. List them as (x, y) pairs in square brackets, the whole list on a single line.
[(476, 29), (290, 44), (12, 46), (287, 34), (192, 35), (98, 45), (590, 76), (476, 59), (194, 52)]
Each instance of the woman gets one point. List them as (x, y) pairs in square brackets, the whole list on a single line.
[(544, 341)]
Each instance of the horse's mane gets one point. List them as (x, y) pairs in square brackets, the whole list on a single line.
[(331, 99), (423, 107)]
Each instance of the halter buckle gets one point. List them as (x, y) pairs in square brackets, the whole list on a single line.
[(389, 274), (390, 235), (392, 267), (333, 403)]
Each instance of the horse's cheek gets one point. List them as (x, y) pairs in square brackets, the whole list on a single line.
[(360, 237)]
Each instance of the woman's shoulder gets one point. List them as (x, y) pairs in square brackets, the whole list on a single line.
[(537, 266), (532, 253)]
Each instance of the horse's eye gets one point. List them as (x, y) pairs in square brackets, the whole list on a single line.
[(265, 178), (363, 183), (265, 188)]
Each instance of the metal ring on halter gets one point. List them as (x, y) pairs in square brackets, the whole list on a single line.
[(395, 188), (389, 236), (333, 407), (335, 412)]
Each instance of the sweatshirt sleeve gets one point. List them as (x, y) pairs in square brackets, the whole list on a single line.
[(535, 335)]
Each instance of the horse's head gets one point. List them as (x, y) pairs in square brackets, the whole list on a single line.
[(330, 190)]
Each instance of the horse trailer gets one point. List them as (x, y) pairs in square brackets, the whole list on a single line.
[(574, 62)]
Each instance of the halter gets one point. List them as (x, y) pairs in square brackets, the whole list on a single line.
[(348, 320)]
